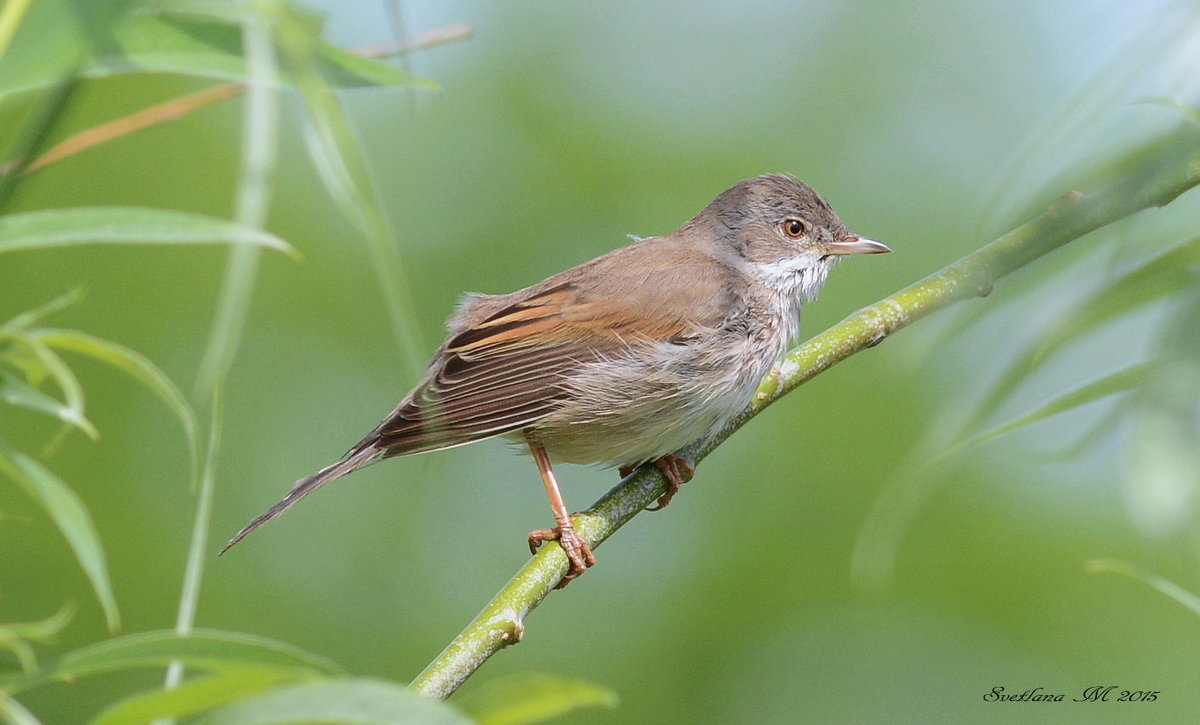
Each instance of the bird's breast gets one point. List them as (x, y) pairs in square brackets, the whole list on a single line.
[(658, 396)]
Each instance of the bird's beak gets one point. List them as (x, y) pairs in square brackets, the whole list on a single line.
[(854, 244)]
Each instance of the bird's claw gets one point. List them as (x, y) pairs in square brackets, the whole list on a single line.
[(577, 550)]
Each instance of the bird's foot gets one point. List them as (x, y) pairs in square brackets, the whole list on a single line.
[(578, 552), (677, 471)]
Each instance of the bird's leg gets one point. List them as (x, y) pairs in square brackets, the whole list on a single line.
[(677, 471), (577, 550)]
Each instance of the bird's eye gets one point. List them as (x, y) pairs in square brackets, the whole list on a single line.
[(795, 227)]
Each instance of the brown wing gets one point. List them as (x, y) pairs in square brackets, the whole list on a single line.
[(505, 362)]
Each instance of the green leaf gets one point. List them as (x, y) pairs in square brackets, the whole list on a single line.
[(1086, 439), (132, 363), (18, 393), (339, 160), (48, 362), (1117, 382), (1161, 276), (532, 697), (339, 68), (14, 713), (357, 701), (195, 696), (229, 12), (11, 16), (1166, 586), (211, 650), (344, 69), (70, 515), (191, 43), (260, 125), (125, 225), (172, 44), (29, 318), (34, 132), (40, 630), (15, 637)]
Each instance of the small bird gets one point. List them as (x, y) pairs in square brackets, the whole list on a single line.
[(625, 359)]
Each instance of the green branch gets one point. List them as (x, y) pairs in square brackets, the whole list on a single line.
[(1154, 175)]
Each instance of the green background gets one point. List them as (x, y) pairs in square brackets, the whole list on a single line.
[(559, 129)]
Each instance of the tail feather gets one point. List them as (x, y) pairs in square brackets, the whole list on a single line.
[(355, 459)]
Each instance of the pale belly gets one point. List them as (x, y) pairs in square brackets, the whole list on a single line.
[(623, 412)]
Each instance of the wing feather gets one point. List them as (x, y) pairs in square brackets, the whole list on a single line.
[(508, 358)]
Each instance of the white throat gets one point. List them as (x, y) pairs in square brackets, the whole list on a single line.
[(799, 278)]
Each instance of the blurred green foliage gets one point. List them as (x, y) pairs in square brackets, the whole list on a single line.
[(558, 129)]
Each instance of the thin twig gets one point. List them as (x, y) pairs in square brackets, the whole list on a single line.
[(420, 41), (1153, 176), (177, 108), (260, 123), (171, 110)]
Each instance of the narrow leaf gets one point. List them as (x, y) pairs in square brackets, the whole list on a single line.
[(259, 149), (52, 364), (42, 629), (29, 318), (344, 69), (1117, 382), (125, 225), (532, 697), (35, 129), (195, 696), (26, 658), (10, 19), (212, 650), (187, 44), (15, 637), (339, 160), (132, 363), (212, 48), (353, 701), (227, 12), (17, 392), (14, 713), (1088, 438), (1166, 586), (70, 515), (338, 67), (1163, 275), (260, 122)]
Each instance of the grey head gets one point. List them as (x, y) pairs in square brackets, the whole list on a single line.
[(778, 230)]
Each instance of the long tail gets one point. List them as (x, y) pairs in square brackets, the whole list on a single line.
[(357, 458)]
